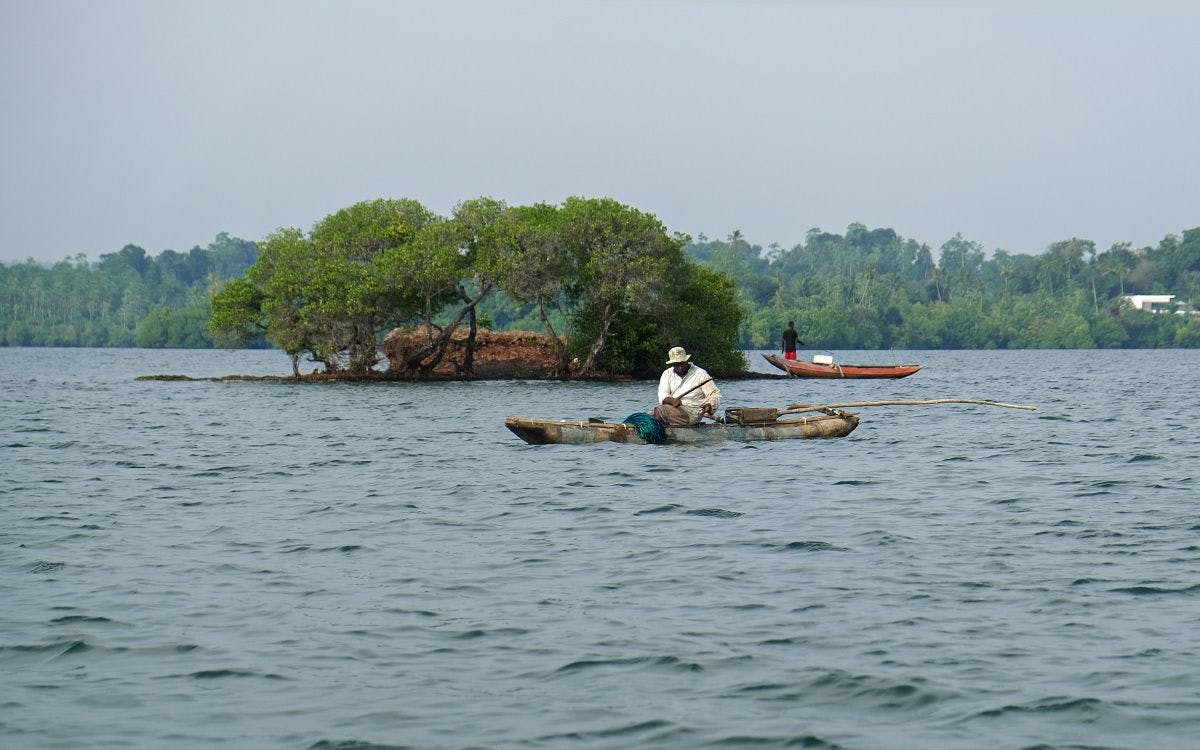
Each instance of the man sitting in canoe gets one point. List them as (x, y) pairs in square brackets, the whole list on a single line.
[(685, 392)]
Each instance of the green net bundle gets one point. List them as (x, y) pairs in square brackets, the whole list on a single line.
[(648, 427)]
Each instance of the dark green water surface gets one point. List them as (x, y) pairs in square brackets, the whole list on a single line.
[(278, 565)]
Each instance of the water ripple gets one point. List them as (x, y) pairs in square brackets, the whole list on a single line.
[(254, 564)]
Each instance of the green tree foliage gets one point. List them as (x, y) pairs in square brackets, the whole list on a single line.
[(172, 327), (111, 302), (328, 292), (873, 289), (621, 260), (602, 267), (703, 316), (606, 280), (699, 311), (533, 269)]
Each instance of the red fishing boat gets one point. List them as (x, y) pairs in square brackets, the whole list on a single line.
[(825, 367)]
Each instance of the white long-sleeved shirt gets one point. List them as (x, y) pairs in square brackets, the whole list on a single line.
[(671, 384)]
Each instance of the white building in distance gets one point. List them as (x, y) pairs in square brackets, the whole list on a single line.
[(1151, 302)]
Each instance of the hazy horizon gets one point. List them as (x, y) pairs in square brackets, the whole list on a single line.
[(1015, 124)]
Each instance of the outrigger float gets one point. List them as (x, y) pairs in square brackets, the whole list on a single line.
[(741, 424)]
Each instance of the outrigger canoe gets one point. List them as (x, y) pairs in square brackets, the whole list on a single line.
[(833, 424), (802, 369)]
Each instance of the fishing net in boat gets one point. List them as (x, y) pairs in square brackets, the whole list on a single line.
[(648, 427)]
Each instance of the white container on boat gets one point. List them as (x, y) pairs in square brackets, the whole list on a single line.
[(822, 359)]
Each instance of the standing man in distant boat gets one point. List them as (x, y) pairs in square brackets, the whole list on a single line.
[(685, 392), (790, 339)]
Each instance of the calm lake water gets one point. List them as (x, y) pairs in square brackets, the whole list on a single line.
[(280, 565)]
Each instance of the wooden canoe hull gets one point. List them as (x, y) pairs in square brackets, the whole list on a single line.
[(803, 369), (564, 432)]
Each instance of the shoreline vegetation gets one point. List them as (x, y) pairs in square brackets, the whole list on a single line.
[(611, 288), (607, 282), (497, 355), (384, 377)]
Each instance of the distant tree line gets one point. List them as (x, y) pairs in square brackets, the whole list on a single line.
[(582, 270), (872, 289), (127, 299)]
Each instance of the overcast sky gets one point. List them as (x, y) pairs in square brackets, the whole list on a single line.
[(1017, 124)]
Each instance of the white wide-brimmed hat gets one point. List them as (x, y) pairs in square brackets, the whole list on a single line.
[(677, 355)]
